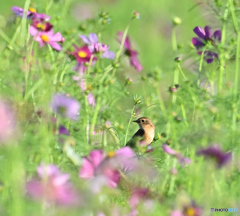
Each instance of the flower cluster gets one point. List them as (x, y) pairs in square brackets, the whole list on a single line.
[(40, 29)]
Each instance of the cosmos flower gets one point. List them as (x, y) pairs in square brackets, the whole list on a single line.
[(181, 160), (40, 25), (65, 106), (52, 186), (105, 165), (7, 122), (188, 210), (206, 40), (132, 54), (216, 153), (96, 47), (82, 55), (31, 13), (48, 37)]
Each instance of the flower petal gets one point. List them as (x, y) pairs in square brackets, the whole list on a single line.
[(218, 35), (109, 54), (168, 150), (93, 38), (33, 31), (85, 39), (197, 42), (87, 170), (208, 32), (55, 45), (199, 32), (96, 157)]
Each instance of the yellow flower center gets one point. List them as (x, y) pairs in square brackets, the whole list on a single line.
[(111, 154), (190, 211), (45, 38), (41, 26), (33, 10), (82, 54)]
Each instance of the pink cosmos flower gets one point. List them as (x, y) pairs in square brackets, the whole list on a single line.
[(7, 122), (181, 160), (47, 38), (52, 187), (106, 166), (96, 47), (31, 13), (132, 54)]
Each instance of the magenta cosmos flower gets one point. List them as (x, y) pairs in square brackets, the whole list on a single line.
[(206, 40), (52, 186), (132, 54), (40, 25), (48, 37), (31, 13), (105, 165), (181, 160), (83, 54), (216, 153), (7, 122), (65, 106), (96, 47)]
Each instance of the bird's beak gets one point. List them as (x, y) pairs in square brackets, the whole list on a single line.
[(136, 121)]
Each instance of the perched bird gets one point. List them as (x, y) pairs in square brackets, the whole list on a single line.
[(144, 135)]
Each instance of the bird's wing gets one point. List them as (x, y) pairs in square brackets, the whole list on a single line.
[(136, 137)]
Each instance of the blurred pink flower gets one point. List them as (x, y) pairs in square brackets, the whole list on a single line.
[(215, 152), (105, 165), (65, 106), (7, 122), (48, 37), (91, 99), (53, 186), (140, 195), (181, 159), (132, 54)]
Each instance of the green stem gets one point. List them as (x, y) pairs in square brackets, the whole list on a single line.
[(95, 115), (130, 120), (222, 60)]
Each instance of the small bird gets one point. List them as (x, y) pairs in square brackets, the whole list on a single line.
[(144, 135)]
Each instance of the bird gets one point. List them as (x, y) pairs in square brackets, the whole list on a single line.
[(144, 135)]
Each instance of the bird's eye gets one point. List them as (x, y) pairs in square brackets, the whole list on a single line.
[(142, 120)]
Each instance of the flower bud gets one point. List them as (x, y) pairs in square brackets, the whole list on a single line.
[(136, 15), (176, 21)]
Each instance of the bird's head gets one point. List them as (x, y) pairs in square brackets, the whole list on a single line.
[(144, 122)]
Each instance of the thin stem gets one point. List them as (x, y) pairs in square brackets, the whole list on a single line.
[(223, 38), (125, 141)]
